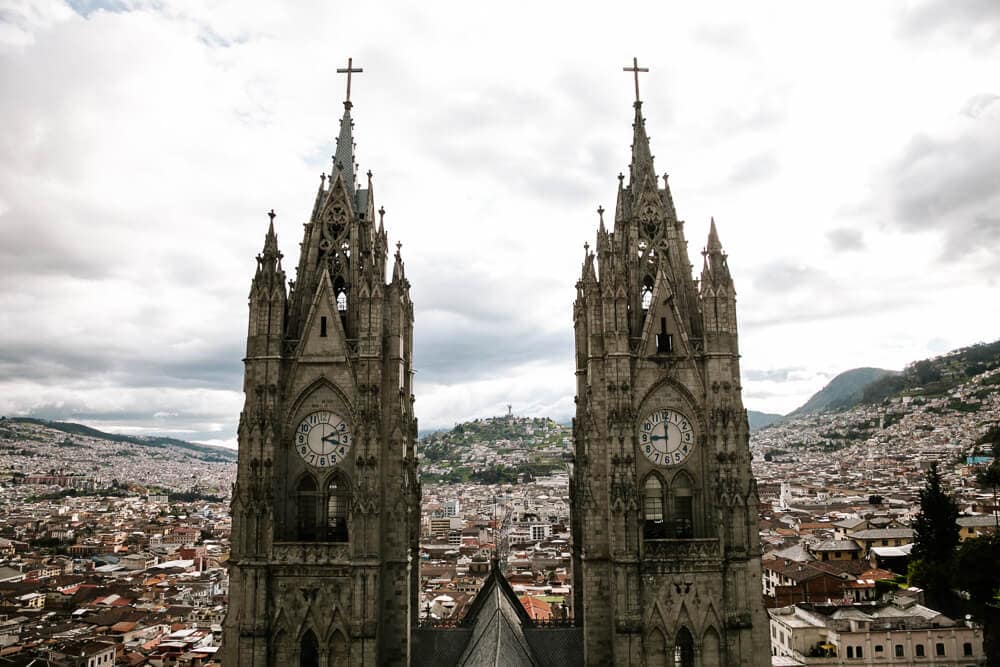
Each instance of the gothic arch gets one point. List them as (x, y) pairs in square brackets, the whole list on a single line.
[(336, 503), (307, 509), (683, 500), (683, 648), (656, 648), (279, 648), (711, 648), (309, 649), (340, 649), (690, 402), (654, 506), (295, 409)]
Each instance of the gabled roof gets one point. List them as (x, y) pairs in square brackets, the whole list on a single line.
[(497, 620)]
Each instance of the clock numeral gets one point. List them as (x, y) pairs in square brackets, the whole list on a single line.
[(342, 427), (677, 457), (303, 450), (322, 462), (333, 459), (304, 427), (311, 458), (300, 439)]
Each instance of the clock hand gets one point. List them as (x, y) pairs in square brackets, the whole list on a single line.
[(332, 439), (658, 437)]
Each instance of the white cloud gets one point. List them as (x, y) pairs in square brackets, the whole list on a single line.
[(145, 142)]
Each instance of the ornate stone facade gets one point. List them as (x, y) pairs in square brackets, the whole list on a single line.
[(664, 505), (326, 503)]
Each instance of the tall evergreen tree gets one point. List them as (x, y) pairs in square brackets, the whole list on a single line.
[(935, 530), (935, 536)]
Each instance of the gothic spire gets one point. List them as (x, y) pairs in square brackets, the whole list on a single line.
[(343, 158), (716, 267), (714, 245), (642, 159)]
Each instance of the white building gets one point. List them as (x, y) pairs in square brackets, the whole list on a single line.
[(898, 633)]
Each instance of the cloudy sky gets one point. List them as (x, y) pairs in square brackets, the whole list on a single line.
[(849, 152)]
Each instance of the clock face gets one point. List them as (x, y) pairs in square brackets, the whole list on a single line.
[(666, 437), (323, 439)]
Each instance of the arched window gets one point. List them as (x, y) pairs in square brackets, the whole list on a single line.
[(684, 649), (307, 503), (647, 293), (342, 302), (309, 650), (653, 526), (683, 506), (337, 500), (340, 649)]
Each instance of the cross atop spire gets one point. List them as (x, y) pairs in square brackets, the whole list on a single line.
[(635, 69), (349, 70)]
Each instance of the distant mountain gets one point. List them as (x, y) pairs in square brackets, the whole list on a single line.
[(936, 376), (761, 419), (842, 392), (212, 452)]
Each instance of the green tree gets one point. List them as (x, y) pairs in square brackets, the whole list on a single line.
[(935, 536)]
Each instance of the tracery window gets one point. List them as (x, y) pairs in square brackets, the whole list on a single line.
[(309, 650), (307, 501), (337, 499), (652, 509), (683, 506)]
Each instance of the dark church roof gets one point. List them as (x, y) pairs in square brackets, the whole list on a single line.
[(497, 620), (498, 631)]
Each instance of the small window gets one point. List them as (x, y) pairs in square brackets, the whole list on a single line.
[(967, 648), (647, 298), (899, 651), (322, 326), (664, 341), (859, 652), (850, 652), (939, 648), (342, 302), (919, 650), (878, 648)]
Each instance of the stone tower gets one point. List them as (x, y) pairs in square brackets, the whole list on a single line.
[(664, 504), (326, 503)]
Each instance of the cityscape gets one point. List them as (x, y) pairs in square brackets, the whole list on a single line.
[(113, 551)]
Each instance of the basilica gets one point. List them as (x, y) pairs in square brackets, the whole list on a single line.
[(324, 567)]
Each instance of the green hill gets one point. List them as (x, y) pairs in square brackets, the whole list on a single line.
[(842, 392), (761, 419)]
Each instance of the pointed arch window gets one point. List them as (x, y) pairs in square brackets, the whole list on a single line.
[(309, 650), (337, 500), (647, 293), (307, 505), (682, 496), (653, 526), (684, 649)]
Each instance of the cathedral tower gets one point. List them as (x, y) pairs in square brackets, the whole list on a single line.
[(326, 503), (664, 504)]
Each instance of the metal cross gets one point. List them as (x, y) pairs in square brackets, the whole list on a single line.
[(351, 70), (635, 69)]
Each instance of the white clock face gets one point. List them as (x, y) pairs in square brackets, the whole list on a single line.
[(323, 439), (666, 437)]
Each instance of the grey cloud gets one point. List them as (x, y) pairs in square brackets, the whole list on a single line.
[(754, 170), (950, 183), (58, 363), (844, 239), (975, 22), (770, 375), (783, 276)]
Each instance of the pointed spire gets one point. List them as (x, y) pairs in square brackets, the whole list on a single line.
[(343, 159), (642, 159), (398, 270), (271, 239), (714, 245)]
